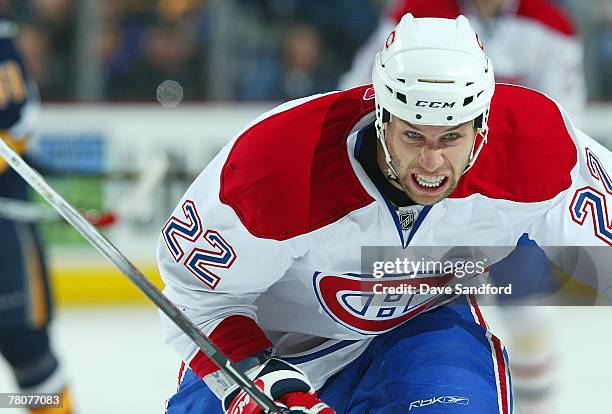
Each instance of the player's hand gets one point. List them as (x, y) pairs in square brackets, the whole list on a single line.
[(293, 403), (282, 382)]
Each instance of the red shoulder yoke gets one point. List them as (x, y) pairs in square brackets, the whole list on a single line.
[(529, 153), (291, 174)]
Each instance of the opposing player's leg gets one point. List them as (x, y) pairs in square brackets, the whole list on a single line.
[(529, 329), (26, 305), (442, 361), (530, 341)]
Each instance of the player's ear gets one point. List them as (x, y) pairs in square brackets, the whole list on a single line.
[(476, 127)]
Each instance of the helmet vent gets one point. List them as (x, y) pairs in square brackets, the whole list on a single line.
[(401, 97), (469, 83), (389, 89), (479, 93), (468, 100), (435, 81), (386, 116), (401, 80)]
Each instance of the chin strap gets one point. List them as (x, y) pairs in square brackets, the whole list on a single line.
[(380, 134), (482, 122), (475, 151)]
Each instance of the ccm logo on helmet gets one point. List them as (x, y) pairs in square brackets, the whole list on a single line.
[(435, 104)]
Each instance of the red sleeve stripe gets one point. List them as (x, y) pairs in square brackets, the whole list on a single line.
[(448, 9), (548, 14), (502, 377), (543, 11), (238, 337), (181, 375)]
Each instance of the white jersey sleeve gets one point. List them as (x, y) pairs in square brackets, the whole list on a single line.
[(560, 73), (580, 219), (212, 266)]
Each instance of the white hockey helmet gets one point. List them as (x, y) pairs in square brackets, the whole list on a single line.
[(433, 71)]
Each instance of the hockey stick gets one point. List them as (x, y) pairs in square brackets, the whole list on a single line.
[(148, 182), (128, 269), (26, 211), (131, 208), (31, 212)]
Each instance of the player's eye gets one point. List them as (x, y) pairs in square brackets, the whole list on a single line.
[(412, 135), (452, 136)]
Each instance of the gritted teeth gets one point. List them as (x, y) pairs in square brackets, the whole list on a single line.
[(429, 180)]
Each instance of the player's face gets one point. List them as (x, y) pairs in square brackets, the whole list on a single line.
[(428, 159)]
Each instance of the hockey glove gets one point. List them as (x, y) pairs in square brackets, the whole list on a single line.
[(282, 382)]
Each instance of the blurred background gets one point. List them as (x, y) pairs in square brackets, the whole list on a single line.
[(239, 50), (114, 137), (119, 50)]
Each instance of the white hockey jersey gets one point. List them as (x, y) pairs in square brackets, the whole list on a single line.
[(531, 43), (271, 231)]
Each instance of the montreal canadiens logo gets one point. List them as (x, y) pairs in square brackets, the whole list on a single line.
[(355, 302), (369, 94)]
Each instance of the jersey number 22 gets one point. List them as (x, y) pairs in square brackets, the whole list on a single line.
[(198, 261)]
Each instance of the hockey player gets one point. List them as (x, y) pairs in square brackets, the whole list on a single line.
[(531, 43), (263, 252), (25, 305)]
